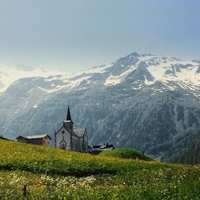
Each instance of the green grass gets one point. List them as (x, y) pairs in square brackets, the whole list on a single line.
[(51, 173), (127, 153)]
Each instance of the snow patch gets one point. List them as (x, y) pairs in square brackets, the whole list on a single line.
[(112, 80), (25, 104), (10, 74)]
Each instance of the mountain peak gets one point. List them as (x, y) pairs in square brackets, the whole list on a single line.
[(134, 54), (140, 74)]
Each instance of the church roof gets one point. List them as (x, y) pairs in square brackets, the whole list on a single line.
[(80, 132)]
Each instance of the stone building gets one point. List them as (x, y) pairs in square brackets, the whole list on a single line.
[(69, 139), (44, 140)]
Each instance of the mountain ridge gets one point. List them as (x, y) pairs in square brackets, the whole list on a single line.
[(10, 74)]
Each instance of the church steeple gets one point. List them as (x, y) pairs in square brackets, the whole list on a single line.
[(68, 123), (68, 118)]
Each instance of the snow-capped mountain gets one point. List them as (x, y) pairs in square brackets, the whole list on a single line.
[(146, 68), (142, 101), (9, 74)]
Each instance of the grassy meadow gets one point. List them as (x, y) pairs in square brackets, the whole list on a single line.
[(49, 173)]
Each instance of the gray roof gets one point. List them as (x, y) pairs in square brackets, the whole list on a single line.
[(37, 136), (80, 132)]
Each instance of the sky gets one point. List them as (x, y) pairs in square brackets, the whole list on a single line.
[(73, 35)]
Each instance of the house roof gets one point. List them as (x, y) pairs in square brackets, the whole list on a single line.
[(20, 137), (35, 137), (105, 146)]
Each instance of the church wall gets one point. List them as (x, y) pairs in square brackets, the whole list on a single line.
[(75, 145), (81, 144), (63, 134), (85, 142)]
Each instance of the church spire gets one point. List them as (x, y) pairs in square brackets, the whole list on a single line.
[(68, 114), (68, 123)]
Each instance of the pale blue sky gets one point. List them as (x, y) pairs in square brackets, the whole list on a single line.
[(74, 35)]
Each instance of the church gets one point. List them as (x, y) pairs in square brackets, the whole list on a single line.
[(69, 139)]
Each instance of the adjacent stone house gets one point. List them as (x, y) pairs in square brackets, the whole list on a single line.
[(104, 147), (44, 140), (69, 139)]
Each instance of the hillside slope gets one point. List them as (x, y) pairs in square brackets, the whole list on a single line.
[(126, 154), (35, 172), (189, 144)]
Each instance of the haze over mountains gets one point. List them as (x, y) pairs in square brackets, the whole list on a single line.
[(150, 103), (9, 74)]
